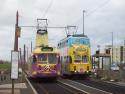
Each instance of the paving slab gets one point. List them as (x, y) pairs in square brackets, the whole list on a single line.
[(16, 85), (9, 91)]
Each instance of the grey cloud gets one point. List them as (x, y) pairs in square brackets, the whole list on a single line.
[(98, 25)]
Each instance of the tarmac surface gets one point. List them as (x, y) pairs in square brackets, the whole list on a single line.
[(20, 87), (23, 87)]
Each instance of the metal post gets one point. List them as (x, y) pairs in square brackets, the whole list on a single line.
[(102, 62), (16, 37), (24, 57), (31, 46), (21, 63), (112, 48), (94, 63), (83, 21), (98, 56), (27, 54), (124, 51), (15, 44)]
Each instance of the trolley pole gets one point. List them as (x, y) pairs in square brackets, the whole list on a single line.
[(83, 21)]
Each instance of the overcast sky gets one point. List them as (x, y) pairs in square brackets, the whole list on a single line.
[(101, 18)]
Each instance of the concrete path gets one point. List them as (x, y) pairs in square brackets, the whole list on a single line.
[(17, 85), (8, 91), (6, 88)]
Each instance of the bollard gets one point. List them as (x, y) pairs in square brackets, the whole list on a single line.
[(1, 78), (4, 77)]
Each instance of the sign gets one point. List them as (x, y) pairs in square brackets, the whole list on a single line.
[(81, 49), (14, 64), (47, 49)]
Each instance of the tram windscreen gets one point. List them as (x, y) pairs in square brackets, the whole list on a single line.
[(85, 59), (42, 58), (52, 58), (77, 58)]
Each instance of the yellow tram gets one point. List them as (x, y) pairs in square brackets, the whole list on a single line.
[(75, 55)]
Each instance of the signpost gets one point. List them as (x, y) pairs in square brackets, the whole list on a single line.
[(15, 54), (14, 67), (14, 64)]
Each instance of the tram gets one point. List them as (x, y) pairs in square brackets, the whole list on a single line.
[(75, 55), (44, 63)]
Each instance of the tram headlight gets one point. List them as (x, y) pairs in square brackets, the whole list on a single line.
[(58, 72), (39, 67), (34, 73)]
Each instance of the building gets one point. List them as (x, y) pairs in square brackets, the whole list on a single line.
[(118, 53)]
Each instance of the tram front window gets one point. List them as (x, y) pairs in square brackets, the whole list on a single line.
[(77, 58), (42, 58), (85, 59), (52, 58)]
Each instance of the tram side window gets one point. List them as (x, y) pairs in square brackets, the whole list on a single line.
[(85, 59), (52, 58)]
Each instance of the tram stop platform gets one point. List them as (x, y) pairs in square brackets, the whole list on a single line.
[(20, 88)]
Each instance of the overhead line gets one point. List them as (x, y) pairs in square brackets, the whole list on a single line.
[(100, 6), (49, 6), (42, 27), (94, 10)]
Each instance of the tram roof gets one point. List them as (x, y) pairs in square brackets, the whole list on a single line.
[(76, 35)]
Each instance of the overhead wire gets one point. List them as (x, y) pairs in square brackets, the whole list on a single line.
[(100, 6), (47, 9), (94, 10)]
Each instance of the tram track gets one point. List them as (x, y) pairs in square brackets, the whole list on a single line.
[(53, 87), (82, 87), (104, 86), (67, 86)]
